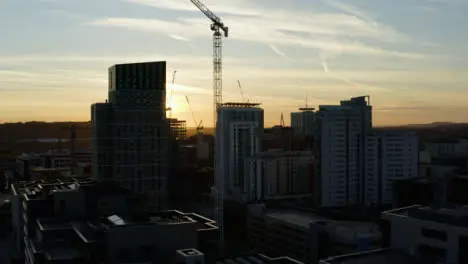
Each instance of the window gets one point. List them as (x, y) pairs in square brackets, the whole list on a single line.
[(433, 234)]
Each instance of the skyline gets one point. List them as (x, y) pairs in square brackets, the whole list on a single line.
[(411, 59)]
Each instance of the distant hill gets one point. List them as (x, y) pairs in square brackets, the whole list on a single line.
[(10, 132)]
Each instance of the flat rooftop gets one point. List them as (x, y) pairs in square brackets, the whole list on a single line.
[(303, 219), (296, 218), (162, 218), (345, 232), (380, 256), (257, 258), (450, 215)]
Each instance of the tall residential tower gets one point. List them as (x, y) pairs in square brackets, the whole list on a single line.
[(130, 131), (238, 136), (340, 146)]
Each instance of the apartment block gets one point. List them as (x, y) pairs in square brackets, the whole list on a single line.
[(277, 174), (238, 136), (340, 138), (390, 156)]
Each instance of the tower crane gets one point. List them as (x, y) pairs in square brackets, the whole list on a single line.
[(199, 125), (169, 108), (217, 26), (241, 91)]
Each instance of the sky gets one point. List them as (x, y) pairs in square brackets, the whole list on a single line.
[(410, 56)]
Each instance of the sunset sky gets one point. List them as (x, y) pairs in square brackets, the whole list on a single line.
[(410, 56)]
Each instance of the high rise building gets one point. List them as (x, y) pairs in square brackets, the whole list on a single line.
[(303, 122), (130, 131), (238, 136), (340, 137), (391, 156)]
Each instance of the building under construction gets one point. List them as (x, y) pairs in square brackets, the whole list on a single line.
[(178, 128)]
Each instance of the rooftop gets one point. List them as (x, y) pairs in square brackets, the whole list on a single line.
[(450, 215), (256, 258), (240, 105), (346, 232), (296, 218), (171, 217), (380, 256), (36, 189)]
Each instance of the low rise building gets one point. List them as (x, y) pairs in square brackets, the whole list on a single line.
[(447, 147), (278, 174), (81, 221), (306, 236), (26, 162), (378, 256), (432, 234)]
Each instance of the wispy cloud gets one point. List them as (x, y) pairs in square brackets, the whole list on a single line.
[(276, 50), (323, 62), (347, 30), (177, 37)]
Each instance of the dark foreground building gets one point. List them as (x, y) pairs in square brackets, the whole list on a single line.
[(131, 133), (78, 221)]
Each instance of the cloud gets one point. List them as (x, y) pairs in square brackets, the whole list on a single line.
[(276, 50), (353, 10), (348, 30), (255, 32), (238, 8), (176, 37)]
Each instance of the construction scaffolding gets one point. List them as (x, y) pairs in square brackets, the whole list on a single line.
[(177, 128)]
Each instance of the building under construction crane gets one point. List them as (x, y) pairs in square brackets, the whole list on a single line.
[(217, 27)]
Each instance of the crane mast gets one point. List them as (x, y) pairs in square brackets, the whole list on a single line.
[(169, 108), (218, 28)]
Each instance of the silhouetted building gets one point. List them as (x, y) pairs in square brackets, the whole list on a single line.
[(130, 132), (341, 151), (177, 128), (447, 147), (437, 235), (279, 137), (277, 174), (303, 123), (24, 164), (414, 191), (239, 129), (238, 136), (193, 256), (306, 236), (378, 256), (99, 222)]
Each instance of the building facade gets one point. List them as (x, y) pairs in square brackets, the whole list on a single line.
[(390, 156), (275, 174), (436, 235), (131, 132), (303, 122), (238, 136), (340, 140)]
